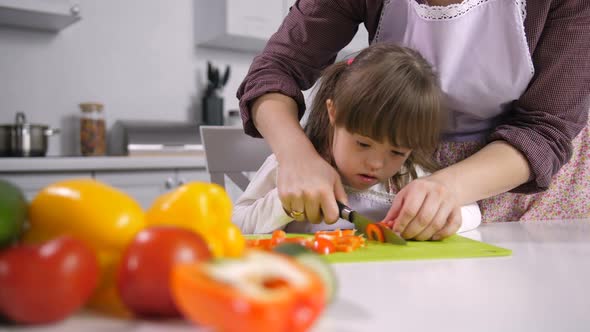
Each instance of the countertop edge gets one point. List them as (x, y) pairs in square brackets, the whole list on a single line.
[(54, 164)]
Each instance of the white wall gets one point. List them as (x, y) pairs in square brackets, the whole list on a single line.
[(135, 56)]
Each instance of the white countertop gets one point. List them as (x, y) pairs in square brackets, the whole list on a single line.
[(54, 164), (543, 286)]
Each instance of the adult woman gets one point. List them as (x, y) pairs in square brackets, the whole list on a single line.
[(517, 81)]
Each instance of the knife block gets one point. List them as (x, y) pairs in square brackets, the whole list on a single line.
[(213, 110)]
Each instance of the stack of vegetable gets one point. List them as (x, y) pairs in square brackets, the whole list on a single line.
[(88, 244)]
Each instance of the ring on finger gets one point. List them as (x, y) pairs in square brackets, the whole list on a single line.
[(296, 214)]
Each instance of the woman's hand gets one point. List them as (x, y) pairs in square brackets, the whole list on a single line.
[(308, 187), (425, 210)]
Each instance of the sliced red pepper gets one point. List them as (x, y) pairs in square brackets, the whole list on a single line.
[(340, 241), (263, 244), (278, 236), (260, 292), (323, 246)]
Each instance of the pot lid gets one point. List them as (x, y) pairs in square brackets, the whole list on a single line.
[(20, 122)]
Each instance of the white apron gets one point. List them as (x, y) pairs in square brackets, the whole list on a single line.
[(477, 47)]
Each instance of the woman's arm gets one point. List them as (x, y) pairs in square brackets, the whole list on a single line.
[(495, 169), (271, 101), (554, 108)]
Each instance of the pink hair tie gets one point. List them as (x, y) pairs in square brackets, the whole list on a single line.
[(349, 61)]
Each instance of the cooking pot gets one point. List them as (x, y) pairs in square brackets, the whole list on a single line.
[(23, 139)]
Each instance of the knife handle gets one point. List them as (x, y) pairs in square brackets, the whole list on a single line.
[(344, 211)]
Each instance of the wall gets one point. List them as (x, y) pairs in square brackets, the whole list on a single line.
[(135, 56)]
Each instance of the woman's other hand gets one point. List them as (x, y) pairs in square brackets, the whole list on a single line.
[(425, 210)]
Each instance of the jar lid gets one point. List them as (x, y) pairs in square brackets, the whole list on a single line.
[(91, 107)]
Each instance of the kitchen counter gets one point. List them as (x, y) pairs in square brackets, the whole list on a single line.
[(61, 164), (543, 286)]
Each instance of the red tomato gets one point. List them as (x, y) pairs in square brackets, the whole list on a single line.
[(143, 279), (40, 284)]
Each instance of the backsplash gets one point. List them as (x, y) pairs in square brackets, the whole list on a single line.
[(137, 57)]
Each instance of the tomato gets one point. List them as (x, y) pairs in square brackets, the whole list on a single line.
[(143, 278), (40, 284)]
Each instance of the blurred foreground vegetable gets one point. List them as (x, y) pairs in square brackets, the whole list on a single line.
[(103, 217), (204, 208), (41, 284), (260, 292), (13, 213), (143, 278)]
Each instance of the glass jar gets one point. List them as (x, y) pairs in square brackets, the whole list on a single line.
[(92, 130)]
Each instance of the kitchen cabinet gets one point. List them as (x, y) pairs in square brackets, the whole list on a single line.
[(143, 178), (247, 25), (237, 24), (32, 183), (48, 15), (143, 186)]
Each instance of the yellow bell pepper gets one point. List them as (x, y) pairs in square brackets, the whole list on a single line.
[(204, 208), (100, 215)]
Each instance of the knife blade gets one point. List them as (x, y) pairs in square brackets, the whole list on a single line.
[(360, 223)]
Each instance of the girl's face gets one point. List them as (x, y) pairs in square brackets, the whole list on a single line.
[(361, 161)]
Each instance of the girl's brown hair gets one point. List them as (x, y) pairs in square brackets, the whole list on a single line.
[(388, 93)]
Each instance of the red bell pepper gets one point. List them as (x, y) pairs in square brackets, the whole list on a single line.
[(260, 292)]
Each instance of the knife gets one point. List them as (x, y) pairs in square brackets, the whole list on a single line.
[(360, 223)]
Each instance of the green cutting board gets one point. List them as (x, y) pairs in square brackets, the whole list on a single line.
[(455, 246)]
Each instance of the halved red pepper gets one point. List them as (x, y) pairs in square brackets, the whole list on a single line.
[(260, 292)]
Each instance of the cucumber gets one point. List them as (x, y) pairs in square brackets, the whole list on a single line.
[(314, 262), (13, 213)]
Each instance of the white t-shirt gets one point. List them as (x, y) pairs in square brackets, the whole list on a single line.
[(259, 209)]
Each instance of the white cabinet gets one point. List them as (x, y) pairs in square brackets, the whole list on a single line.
[(32, 183), (184, 175), (50, 15), (248, 24), (237, 24), (143, 186)]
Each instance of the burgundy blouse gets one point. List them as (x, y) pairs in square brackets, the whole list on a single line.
[(542, 123)]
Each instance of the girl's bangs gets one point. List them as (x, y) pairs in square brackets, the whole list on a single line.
[(404, 119)]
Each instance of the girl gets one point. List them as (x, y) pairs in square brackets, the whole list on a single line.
[(376, 119)]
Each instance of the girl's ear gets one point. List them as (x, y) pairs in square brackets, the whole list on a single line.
[(331, 110)]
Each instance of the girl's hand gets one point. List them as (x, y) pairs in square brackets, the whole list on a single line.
[(425, 210), (308, 187)]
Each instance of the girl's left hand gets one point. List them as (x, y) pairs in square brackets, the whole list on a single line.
[(425, 210)]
